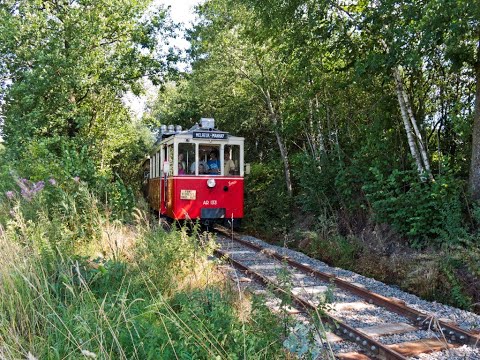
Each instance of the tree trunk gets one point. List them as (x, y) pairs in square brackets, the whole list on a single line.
[(310, 132), (418, 135), (406, 121), (321, 139), (281, 144), (474, 178)]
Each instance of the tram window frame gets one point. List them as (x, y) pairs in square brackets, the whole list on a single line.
[(202, 156), (155, 165), (235, 153), (189, 151), (170, 159), (161, 160), (151, 160)]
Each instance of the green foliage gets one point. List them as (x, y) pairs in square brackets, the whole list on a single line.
[(69, 66), (58, 157), (163, 252), (304, 345), (57, 301), (65, 163), (118, 198), (214, 328), (60, 216), (327, 244), (455, 292), (266, 204), (426, 212), (81, 57), (315, 180)]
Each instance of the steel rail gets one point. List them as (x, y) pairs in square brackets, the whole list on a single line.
[(346, 332), (422, 320)]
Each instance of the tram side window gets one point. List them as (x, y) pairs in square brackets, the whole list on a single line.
[(170, 159), (152, 165), (186, 158), (231, 160)]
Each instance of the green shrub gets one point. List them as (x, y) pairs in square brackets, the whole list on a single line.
[(267, 204), (425, 212), (328, 185), (56, 303), (316, 193), (64, 160), (204, 325), (118, 198), (59, 215)]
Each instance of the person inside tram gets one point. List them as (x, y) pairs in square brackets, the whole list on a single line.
[(181, 170), (228, 164), (213, 163), (182, 161), (202, 167)]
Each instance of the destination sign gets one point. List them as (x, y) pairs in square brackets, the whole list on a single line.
[(209, 135)]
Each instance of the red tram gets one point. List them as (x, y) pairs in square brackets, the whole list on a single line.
[(197, 174)]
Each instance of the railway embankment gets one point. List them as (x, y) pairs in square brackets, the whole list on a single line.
[(359, 317), (449, 274)]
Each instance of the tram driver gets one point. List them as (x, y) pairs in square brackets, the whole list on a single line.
[(213, 163)]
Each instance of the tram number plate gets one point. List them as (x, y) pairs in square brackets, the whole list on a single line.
[(188, 194)]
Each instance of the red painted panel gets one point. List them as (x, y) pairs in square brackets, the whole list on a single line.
[(217, 197)]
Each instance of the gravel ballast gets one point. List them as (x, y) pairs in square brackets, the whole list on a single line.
[(462, 318)]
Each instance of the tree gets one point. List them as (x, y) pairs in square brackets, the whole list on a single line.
[(68, 64), (454, 26), (224, 46)]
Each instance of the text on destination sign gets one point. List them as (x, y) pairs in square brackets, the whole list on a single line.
[(209, 135)]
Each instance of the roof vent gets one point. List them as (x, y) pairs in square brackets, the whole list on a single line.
[(207, 123)]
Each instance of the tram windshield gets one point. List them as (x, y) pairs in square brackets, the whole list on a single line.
[(208, 160), (212, 159)]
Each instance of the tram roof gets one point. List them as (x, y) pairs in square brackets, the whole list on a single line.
[(197, 134)]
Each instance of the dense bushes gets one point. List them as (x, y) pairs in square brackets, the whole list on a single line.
[(267, 205), (62, 161), (426, 212), (74, 282), (315, 181), (421, 235)]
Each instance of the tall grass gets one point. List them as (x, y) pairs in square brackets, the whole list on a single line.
[(74, 284)]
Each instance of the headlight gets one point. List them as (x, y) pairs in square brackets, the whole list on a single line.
[(211, 183)]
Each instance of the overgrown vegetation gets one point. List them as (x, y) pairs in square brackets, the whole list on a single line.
[(360, 114), (76, 282), (361, 120), (86, 271)]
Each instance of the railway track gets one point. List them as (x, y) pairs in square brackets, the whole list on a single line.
[(371, 325)]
